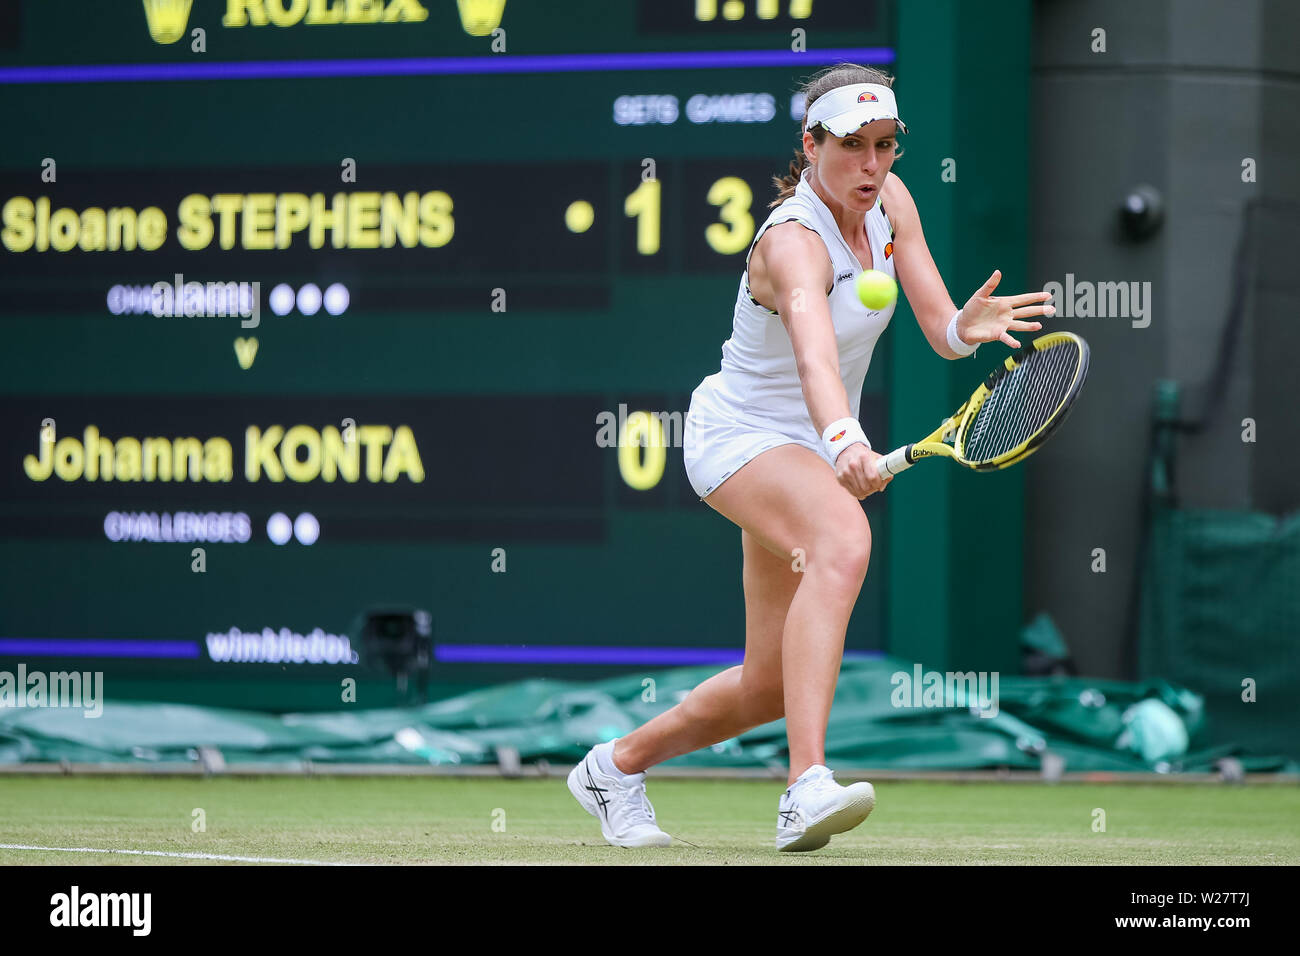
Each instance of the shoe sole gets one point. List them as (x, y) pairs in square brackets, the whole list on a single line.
[(584, 801), (840, 820)]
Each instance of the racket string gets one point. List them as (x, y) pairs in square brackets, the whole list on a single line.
[(1043, 383), (1045, 391), (1021, 403), (1046, 400)]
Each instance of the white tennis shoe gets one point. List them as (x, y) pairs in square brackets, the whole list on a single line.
[(816, 807), (617, 801)]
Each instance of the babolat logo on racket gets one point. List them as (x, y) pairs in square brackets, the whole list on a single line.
[(868, 97)]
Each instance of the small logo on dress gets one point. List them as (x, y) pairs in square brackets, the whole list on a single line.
[(889, 249), (843, 275)]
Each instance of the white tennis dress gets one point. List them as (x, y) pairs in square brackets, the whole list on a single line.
[(755, 402)]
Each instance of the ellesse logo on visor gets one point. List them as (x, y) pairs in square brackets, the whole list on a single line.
[(868, 97)]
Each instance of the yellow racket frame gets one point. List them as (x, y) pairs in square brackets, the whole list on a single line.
[(947, 440)]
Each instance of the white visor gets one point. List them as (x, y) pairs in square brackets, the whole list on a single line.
[(846, 109)]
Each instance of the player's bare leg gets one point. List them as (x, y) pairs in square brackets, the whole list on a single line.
[(740, 697), (789, 501), (791, 507), (785, 499)]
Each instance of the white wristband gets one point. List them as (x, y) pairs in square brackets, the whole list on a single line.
[(954, 340), (839, 435)]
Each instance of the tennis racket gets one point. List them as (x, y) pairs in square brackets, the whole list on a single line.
[(1011, 414)]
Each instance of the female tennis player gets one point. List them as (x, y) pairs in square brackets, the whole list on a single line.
[(772, 442)]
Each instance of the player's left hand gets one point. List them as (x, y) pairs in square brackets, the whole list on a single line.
[(990, 318)]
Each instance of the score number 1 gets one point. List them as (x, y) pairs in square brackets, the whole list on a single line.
[(729, 235)]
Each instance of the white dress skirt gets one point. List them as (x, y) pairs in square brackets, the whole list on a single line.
[(715, 448)]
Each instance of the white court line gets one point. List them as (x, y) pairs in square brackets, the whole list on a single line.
[(184, 856)]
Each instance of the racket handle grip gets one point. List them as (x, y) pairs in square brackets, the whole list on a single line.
[(896, 461)]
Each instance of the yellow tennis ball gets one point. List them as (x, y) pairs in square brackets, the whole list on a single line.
[(877, 290)]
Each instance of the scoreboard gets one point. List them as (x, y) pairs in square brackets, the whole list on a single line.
[(317, 306)]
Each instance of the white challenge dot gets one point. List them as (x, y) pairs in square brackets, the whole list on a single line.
[(307, 528), (309, 299), (279, 528), (336, 299), (281, 299)]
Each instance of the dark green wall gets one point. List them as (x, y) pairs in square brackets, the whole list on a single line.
[(955, 553)]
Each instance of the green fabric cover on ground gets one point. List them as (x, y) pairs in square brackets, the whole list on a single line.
[(1078, 719)]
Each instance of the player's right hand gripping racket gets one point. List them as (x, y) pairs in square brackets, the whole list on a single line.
[(1011, 414)]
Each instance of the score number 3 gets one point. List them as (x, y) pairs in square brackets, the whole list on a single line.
[(729, 235), (734, 197)]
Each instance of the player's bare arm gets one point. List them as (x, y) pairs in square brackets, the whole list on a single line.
[(797, 272), (984, 318)]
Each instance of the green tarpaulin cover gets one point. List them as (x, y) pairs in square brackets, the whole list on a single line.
[(875, 723)]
